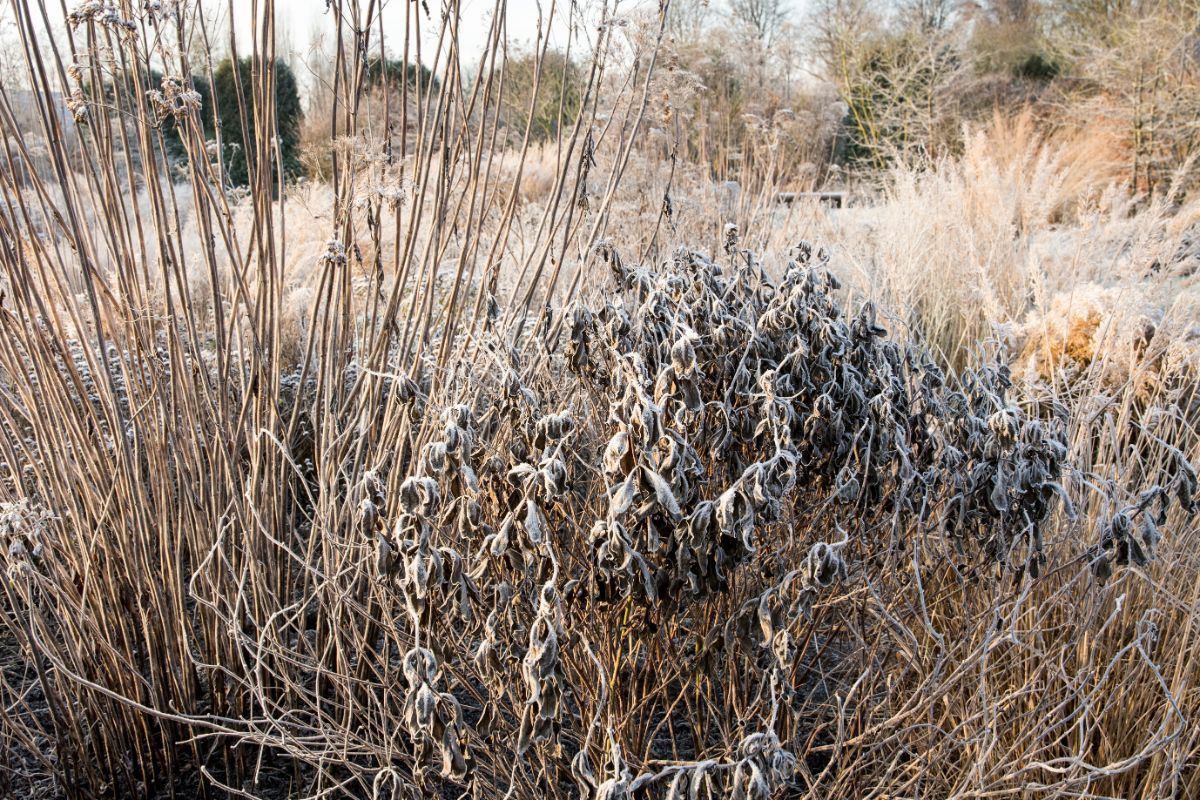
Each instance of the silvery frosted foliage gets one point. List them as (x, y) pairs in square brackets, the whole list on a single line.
[(779, 606), (617, 783), (786, 393), (433, 580), (1131, 535), (694, 417), (763, 768), (759, 769)]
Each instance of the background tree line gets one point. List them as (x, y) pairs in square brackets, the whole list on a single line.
[(802, 94), (865, 83)]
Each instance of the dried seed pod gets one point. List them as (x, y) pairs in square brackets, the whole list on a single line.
[(730, 237)]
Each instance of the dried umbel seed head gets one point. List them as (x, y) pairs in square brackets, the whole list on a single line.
[(172, 99), (335, 253), (78, 105), (104, 14)]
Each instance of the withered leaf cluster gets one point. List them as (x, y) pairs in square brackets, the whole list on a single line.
[(705, 416)]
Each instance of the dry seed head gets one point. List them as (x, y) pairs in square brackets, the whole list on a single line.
[(730, 238)]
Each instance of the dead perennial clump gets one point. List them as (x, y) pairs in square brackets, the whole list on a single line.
[(728, 417)]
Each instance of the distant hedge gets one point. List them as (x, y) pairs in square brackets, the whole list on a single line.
[(288, 116), (379, 68)]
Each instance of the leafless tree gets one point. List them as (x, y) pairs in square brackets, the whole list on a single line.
[(762, 19), (929, 15), (759, 22), (1141, 68), (686, 19)]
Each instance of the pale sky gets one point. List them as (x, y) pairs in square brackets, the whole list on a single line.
[(306, 20), (305, 17), (302, 23)]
